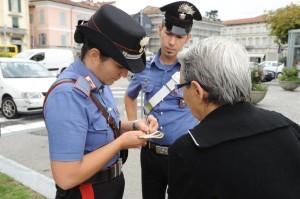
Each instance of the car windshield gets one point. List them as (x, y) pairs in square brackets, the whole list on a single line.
[(24, 54), (24, 70)]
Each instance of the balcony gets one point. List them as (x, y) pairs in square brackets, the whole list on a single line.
[(13, 31)]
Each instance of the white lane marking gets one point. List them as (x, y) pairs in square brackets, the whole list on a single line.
[(22, 128)]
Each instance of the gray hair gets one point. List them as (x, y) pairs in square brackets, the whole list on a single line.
[(220, 66)]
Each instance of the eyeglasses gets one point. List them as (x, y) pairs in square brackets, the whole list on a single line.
[(178, 86)]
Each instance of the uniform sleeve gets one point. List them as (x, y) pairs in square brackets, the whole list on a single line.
[(67, 125), (176, 174), (134, 86)]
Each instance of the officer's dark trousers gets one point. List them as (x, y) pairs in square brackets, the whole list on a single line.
[(112, 189), (154, 174)]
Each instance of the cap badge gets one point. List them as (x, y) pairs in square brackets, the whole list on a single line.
[(182, 16), (185, 9), (144, 41)]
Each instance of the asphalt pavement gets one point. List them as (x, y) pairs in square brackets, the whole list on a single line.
[(24, 154)]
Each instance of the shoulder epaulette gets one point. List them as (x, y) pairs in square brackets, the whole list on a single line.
[(83, 86)]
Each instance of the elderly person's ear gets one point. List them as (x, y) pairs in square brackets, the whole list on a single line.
[(198, 89)]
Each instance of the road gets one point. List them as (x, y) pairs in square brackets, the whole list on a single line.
[(118, 89)]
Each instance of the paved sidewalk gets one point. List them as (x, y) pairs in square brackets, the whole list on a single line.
[(285, 102), (24, 154)]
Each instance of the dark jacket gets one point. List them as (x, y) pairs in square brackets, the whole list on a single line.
[(237, 152)]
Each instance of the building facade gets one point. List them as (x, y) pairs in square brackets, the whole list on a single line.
[(254, 35), (293, 58), (53, 22), (200, 30), (14, 23)]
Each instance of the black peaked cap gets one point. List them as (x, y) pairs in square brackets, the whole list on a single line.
[(117, 35), (179, 17)]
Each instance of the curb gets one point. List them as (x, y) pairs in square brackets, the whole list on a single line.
[(28, 177)]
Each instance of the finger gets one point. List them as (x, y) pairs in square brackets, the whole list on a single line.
[(154, 126), (142, 125), (144, 128)]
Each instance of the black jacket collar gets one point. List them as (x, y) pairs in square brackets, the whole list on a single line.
[(230, 122)]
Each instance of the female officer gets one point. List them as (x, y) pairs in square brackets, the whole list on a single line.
[(81, 116)]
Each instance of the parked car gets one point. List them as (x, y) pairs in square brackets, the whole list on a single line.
[(54, 59), (23, 86), (268, 75), (271, 69)]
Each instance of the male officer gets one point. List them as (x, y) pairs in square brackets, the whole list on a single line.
[(162, 99), (81, 117)]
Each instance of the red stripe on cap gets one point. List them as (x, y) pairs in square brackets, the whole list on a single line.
[(86, 191), (124, 48)]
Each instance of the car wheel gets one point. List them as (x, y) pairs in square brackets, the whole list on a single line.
[(278, 75), (9, 108)]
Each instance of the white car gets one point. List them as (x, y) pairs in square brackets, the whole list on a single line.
[(271, 70), (272, 66), (23, 85), (54, 59)]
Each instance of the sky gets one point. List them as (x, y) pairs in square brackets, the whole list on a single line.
[(228, 9)]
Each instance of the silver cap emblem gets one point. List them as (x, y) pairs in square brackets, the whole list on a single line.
[(144, 41), (186, 9)]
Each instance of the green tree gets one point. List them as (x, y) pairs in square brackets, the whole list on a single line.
[(282, 20)]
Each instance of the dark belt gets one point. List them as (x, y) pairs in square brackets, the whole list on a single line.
[(106, 175), (102, 176), (158, 149)]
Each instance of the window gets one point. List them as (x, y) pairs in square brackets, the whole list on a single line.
[(32, 41), (9, 5), (31, 18), (250, 41), (38, 57), (63, 40), (42, 39), (62, 18), (19, 6), (257, 41), (15, 22), (42, 17), (14, 6), (265, 41), (297, 39)]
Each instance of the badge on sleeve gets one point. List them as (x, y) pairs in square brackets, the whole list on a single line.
[(92, 84), (83, 85)]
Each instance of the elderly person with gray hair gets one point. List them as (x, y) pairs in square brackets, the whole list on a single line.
[(238, 151)]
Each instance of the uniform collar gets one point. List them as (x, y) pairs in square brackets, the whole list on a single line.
[(156, 62), (83, 71), (231, 122)]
